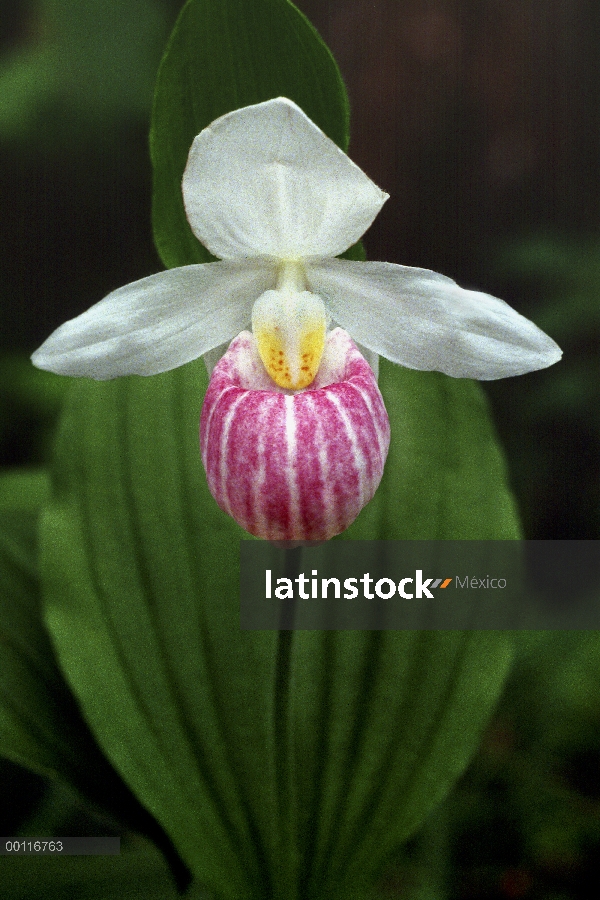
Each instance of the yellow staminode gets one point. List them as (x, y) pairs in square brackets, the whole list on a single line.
[(289, 328)]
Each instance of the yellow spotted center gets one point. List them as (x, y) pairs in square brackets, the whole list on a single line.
[(289, 328)]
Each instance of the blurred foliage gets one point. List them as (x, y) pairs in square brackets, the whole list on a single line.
[(527, 815), (138, 873), (524, 821), (29, 405), (79, 67), (564, 276), (76, 86), (549, 421)]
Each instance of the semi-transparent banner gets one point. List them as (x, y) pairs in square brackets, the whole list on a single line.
[(421, 585)]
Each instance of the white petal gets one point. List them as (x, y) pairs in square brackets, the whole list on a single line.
[(265, 181), (158, 323), (423, 320)]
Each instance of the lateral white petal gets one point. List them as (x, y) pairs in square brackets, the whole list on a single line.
[(265, 181), (158, 323), (423, 320)]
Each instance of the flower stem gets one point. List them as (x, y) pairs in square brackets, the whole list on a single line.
[(283, 735)]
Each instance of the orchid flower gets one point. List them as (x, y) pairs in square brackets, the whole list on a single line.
[(294, 433)]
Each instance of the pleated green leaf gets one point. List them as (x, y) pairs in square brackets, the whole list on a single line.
[(262, 796), (29, 732), (41, 726)]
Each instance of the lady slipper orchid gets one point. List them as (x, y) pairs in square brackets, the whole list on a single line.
[(294, 465), (294, 433)]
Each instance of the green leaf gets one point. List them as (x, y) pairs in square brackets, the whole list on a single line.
[(21, 384), (145, 678), (41, 726), (222, 56), (35, 705), (29, 404), (24, 489)]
